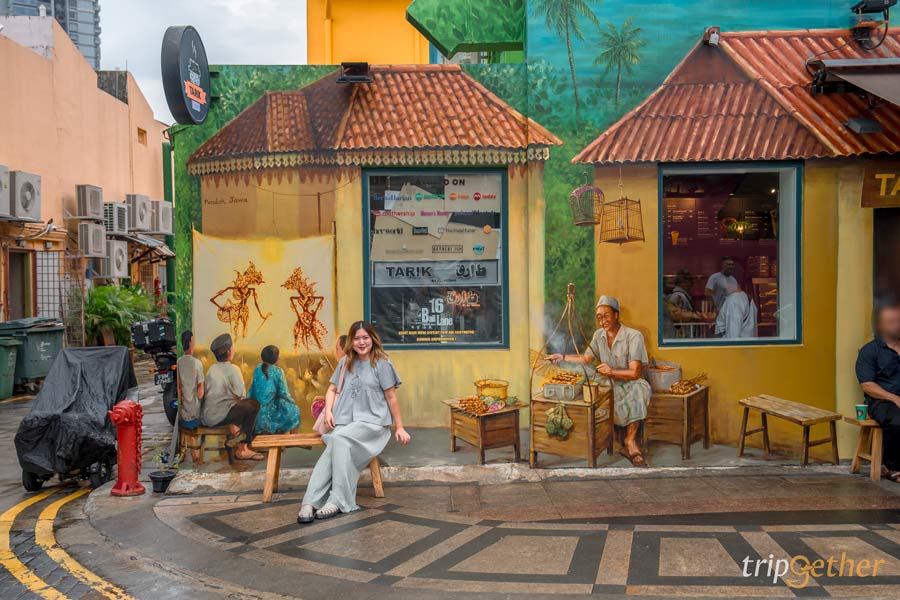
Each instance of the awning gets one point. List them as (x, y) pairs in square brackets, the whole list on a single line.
[(153, 248), (878, 76)]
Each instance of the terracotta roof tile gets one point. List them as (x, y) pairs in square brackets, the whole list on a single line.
[(403, 108), (767, 113)]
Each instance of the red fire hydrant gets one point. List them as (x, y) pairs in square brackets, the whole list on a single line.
[(127, 416)]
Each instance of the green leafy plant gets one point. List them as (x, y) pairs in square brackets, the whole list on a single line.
[(109, 311)]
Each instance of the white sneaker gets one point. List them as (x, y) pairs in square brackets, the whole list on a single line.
[(306, 514)]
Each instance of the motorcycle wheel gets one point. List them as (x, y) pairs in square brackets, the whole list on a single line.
[(101, 474), (31, 481), (169, 400)]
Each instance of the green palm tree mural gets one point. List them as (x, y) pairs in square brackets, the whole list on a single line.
[(563, 17), (620, 49)]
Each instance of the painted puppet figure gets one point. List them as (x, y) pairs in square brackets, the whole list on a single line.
[(234, 310)]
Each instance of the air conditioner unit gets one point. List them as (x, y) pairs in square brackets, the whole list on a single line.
[(25, 195), (91, 239), (4, 191), (138, 212), (90, 203), (115, 217), (116, 263), (162, 217)]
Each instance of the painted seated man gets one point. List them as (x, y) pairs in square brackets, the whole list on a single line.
[(878, 372), (621, 354), (224, 402), (190, 386)]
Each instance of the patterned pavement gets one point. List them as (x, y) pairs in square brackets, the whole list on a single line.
[(456, 538)]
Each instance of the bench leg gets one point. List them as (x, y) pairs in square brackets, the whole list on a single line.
[(765, 432), (834, 449), (271, 474), (743, 431), (875, 463), (277, 470), (377, 483), (804, 460), (862, 445)]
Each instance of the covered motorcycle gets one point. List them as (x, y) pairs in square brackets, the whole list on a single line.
[(68, 431)]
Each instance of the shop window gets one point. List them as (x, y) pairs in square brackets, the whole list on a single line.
[(436, 265), (730, 255)]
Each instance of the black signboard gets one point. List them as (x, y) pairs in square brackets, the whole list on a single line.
[(185, 75)]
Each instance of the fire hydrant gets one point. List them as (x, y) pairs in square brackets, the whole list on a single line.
[(127, 416)]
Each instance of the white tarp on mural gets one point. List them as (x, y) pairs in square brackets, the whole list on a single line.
[(265, 292)]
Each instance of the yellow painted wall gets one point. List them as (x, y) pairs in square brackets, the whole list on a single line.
[(373, 31), (428, 375), (854, 295), (804, 372)]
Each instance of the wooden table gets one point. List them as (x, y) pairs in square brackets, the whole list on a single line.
[(800, 414), (679, 419), (591, 433), (490, 430)]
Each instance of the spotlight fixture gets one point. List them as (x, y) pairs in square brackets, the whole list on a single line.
[(712, 34)]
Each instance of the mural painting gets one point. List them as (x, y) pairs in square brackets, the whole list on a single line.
[(597, 93)]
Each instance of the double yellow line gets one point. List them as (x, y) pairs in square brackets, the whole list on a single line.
[(46, 539)]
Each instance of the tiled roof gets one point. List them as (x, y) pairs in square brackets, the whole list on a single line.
[(405, 108), (761, 109)]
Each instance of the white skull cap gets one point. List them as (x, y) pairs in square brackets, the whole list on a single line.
[(608, 301)]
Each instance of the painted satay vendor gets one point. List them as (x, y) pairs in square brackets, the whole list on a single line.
[(621, 354)]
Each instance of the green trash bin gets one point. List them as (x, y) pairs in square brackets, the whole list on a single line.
[(41, 340), (8, 347)]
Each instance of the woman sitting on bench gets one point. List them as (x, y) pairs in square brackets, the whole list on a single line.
[(359, 405)]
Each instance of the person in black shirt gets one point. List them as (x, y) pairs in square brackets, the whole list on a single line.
[(878, 372)]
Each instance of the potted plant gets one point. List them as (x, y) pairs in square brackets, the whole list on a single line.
[(166, 472), (109, 311)]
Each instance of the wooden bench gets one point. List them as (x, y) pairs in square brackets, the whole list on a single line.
[(198, 436), (794, 412), (277, 443), (868, 447)]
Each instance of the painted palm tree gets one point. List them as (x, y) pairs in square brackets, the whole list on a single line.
[(563, 17), (620, 50)]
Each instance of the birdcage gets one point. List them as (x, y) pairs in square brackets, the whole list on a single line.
[(621, 221), (586, 203)]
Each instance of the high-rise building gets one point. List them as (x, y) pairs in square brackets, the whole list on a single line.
[(79, 18)]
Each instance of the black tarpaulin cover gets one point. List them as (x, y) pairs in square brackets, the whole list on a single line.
[(68, 427)]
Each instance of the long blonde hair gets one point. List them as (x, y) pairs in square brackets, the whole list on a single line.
[(375, 354)]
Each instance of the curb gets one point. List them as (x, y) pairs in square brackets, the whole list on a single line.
[(193, 482)]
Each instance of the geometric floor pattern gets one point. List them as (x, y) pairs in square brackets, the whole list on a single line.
[(677, 555)]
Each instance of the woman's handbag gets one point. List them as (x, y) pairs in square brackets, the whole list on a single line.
[(320, 426)]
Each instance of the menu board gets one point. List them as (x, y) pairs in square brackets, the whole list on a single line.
[(436, 266)]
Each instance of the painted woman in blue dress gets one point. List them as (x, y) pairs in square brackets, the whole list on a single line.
[(278, 413)]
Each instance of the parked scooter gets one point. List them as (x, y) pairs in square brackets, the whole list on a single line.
[(157, 338)]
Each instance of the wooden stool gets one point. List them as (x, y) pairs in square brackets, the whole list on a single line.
[(275, 444), (868, 448), (801, 414), (198, 436)]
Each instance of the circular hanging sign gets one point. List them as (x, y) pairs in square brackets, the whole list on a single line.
[(185, 75)]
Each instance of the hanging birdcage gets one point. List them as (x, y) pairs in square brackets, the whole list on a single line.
[(621, 221), (586, 203)]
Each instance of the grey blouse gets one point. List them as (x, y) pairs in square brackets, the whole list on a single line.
[(362, 397)]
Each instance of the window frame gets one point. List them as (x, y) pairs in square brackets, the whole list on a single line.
[(503, 172), (700, 168)]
